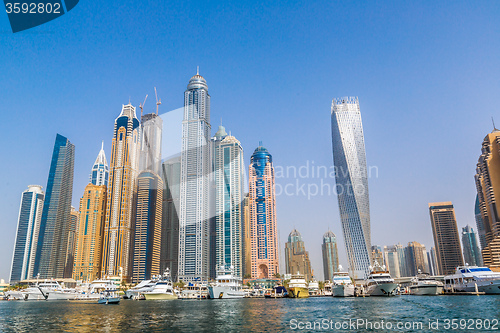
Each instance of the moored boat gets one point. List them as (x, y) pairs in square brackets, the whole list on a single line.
[(379, 282), (227, 285), (423, 284), (297, 287), (342, 285), (473, 279), (163, 289)]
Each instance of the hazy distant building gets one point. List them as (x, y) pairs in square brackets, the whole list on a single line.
[(488, 189), (55, 224), (262, 206), (431, 259), (71, 244), (247, 239), (229, 177), (472, 254), (377, 255), (196, 165), (330, 255), (392, 261), (28, 225), (481, 233), (401, 253), (296, 257), (169, 257), (416, 259), (352, 183), (119, 221), (446, 240)]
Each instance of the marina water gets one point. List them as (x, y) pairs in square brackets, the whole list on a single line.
[(258, 315)]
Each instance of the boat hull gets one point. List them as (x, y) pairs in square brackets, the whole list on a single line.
[(109, 300), (426, 290), (159, 296), (341, 290), (224, 293), (298, 292), (488, 287), (382, 289)]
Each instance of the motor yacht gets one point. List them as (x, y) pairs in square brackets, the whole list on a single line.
[(473, 279), (379, 282), (297, 287), (227, 285)]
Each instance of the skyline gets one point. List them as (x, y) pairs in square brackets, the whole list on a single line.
[(422, 108)]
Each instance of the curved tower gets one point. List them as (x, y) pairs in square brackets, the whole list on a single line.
[(262, 208), (194, 242), (118, 226), (352, 183)]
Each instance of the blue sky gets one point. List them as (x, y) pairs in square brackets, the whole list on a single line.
[(426, 74)]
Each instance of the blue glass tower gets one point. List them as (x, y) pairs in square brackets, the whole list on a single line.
[(56, 220), (28, 225), (352, 183), (472, 254)]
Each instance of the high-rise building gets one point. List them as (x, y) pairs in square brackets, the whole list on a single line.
[(377, 255), (330, 255), (392, 261), (28, 225), (247, 239), (446, 240), (352, 183), (70, 250), (262, 207), (148, 220), (296, 257), (52, 244), (488, 189), (149, 201), (169, 257), (90, 231), (416, 259), (401, 254), (229, 177), (481, 233), (194, 240), (472, 254), (119, 221), (100, 170), (431, 258)]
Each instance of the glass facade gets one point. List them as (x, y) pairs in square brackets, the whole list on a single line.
[(352, 183), (52, 244), (28, 224), (472, 254), (330, 255), (100, 170)]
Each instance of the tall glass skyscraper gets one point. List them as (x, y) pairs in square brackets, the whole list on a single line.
[(194, 240), (229, 190), (472, 254), (330, 255), (56, 220), (392, 261), (352, 183), (28, 224), (262, 207), (170, 219), (119, 222)]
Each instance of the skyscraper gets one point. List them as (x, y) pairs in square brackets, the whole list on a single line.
[(90, 232), (330, 255), (472, 254), (262, 207), (296, 256), (416, 259), (352, 183), (170, 220), (446, 241), (431, 258), (481, 233), (229, 186), (377, 255), (28, 224), (392, 261), (71, 244), (194, 241), (119, 221), (52, 244), (247, 239), (488, 189), (403, 269)]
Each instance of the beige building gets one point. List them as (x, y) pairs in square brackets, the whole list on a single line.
[(296, 257), (446, 239)]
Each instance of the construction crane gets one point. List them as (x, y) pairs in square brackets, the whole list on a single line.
[(158, 102), (142, 105)]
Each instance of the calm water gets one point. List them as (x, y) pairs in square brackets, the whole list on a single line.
[(261, 315)]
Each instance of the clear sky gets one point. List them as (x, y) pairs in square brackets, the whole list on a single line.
[(426, 73)]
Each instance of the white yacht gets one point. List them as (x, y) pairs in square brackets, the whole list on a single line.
[(49, 290), (473, 279), (313, 287), (327, 288), (423, 284), (96, 289), (141, 288), (342, 285), (379, 282), (227, 285), (163, 289)]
